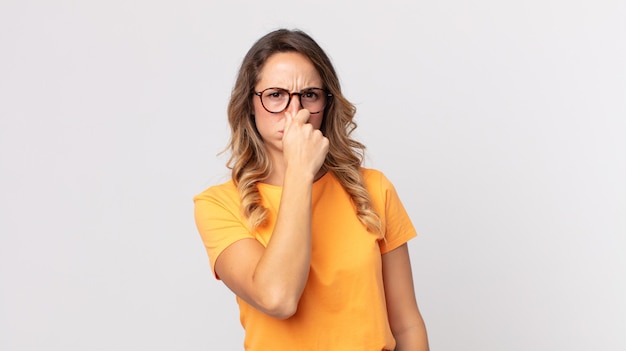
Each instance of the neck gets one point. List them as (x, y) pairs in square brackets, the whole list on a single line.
[(277, 175)]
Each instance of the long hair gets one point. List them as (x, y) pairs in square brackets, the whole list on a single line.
[(249, 161)]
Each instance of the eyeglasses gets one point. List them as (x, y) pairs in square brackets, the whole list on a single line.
[(276, 100)]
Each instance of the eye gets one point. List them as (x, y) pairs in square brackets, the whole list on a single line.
[(275, 94), (310, 95)]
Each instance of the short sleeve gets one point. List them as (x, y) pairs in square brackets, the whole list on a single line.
[(397, 225), (218, 219)]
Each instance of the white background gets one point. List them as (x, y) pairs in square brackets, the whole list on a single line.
[(501, 123)]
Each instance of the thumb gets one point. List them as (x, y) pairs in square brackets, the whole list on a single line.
[(302, 116), (288, 121)]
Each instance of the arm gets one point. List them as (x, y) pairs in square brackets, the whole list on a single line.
[(405, 319), (272, 278)]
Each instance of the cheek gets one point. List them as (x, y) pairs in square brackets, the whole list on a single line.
[(261, 116), (316, 120), (258, 109)]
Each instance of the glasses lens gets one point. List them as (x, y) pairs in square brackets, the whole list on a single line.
[(275, 100), (313, 100)]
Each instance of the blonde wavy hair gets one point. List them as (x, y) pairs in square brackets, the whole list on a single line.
[(249, 161)]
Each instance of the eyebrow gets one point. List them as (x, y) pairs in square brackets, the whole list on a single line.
[(303, 89)]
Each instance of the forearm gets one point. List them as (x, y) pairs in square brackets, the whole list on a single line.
[(413, 339), (405, 319), (283, 269)]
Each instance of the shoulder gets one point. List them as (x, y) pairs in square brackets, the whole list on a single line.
[(375, 180), (225, 193), (381, 190)]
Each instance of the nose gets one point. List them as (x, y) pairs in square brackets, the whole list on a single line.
[(294, 104)]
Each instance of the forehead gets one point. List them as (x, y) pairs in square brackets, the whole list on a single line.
[(290, 70)]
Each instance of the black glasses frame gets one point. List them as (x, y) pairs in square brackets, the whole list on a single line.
[(299, 93)]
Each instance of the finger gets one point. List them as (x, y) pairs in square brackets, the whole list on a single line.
[(288, 121), (303, 116)]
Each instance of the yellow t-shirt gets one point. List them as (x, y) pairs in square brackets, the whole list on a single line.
[(343, 303)]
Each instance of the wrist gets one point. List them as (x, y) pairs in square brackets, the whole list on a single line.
[(299, 175)]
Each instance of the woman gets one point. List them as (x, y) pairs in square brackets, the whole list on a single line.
[(312, 244)]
